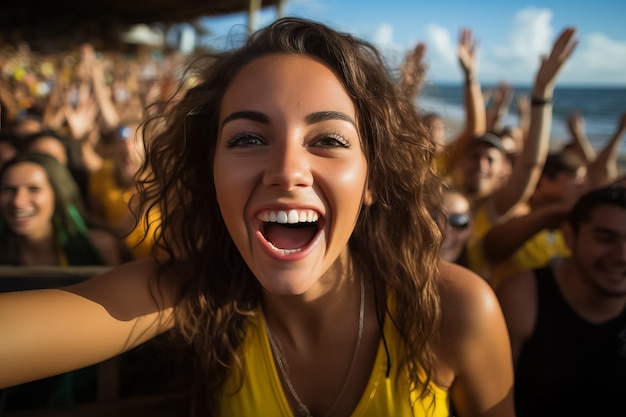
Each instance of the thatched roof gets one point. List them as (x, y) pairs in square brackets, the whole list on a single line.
[(37, 20)]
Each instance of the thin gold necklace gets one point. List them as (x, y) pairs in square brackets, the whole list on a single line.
[(303, 410)]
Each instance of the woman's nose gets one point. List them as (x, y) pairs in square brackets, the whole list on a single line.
[(20, 197), (289, 166)]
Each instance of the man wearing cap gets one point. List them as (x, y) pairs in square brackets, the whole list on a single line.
[(484, 167), (496, 195), (533, 240)]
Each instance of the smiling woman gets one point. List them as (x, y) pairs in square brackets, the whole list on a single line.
[(42, 219), (300, 226)]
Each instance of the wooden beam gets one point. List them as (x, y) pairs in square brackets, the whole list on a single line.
[(253, 8)]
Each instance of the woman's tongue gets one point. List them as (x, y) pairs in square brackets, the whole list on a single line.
[(288, 237)]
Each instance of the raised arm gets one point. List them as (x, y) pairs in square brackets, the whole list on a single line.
[(500, 103), (475, 117), (603, 169), (413, 71), (504, 239), (48, 332), (102, 92), (580, 141), (523, 115), (529, 164)]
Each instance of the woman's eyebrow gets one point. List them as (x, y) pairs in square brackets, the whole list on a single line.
[(255, 116), (328, 115), (310, 118)]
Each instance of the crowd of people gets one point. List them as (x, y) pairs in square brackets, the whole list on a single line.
[(315, 243)]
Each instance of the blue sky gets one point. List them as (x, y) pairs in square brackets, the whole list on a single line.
[(512, 35)]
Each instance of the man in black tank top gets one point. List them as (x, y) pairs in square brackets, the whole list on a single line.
[(567, 321)]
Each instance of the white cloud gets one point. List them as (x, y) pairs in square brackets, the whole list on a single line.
[(439, 38), (383, 36), (599, 59), (515, 58), (531, 36), (441, 54)]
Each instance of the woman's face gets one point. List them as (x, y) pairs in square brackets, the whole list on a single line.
[(27, 200), (290, 173), (459, 227)]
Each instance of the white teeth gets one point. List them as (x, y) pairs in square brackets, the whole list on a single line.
[(288, 217), (284, 251), (293, 217), (23, 213)]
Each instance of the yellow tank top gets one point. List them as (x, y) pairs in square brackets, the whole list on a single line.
[(261, 393)]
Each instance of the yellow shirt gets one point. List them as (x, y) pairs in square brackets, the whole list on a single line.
[(114, 201), (261, 393), (537, 251), (442, 163), (481, 223)]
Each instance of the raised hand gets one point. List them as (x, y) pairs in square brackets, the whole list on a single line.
[(500, 103), (553, 63), (576, 123), (523, 115), (413, 71), (82, 119), (622, 124), (467, 53)]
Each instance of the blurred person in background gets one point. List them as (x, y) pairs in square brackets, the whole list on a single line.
[(458, 228), (567, 320), (113, 186)]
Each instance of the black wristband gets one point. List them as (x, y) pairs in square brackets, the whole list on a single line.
[(534, 101)]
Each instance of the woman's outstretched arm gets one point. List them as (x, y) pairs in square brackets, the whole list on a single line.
[(47, 332)]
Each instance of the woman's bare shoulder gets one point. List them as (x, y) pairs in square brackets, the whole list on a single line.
[(459, 283), (467, 300), (474, 347)]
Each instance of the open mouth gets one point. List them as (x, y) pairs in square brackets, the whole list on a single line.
[(21, 215), (289, 232)]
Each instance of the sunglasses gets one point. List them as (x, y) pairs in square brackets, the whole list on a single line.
[(459, 221)]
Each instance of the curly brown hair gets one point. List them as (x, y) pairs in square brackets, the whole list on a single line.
[(395, 244)]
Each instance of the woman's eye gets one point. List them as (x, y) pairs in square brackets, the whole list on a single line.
[(245, 140), (332, 140), (34, 189)]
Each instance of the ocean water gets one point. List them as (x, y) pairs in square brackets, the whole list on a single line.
[(601, 109)]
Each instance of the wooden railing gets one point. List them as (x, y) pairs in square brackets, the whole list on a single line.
[(15, 278)]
